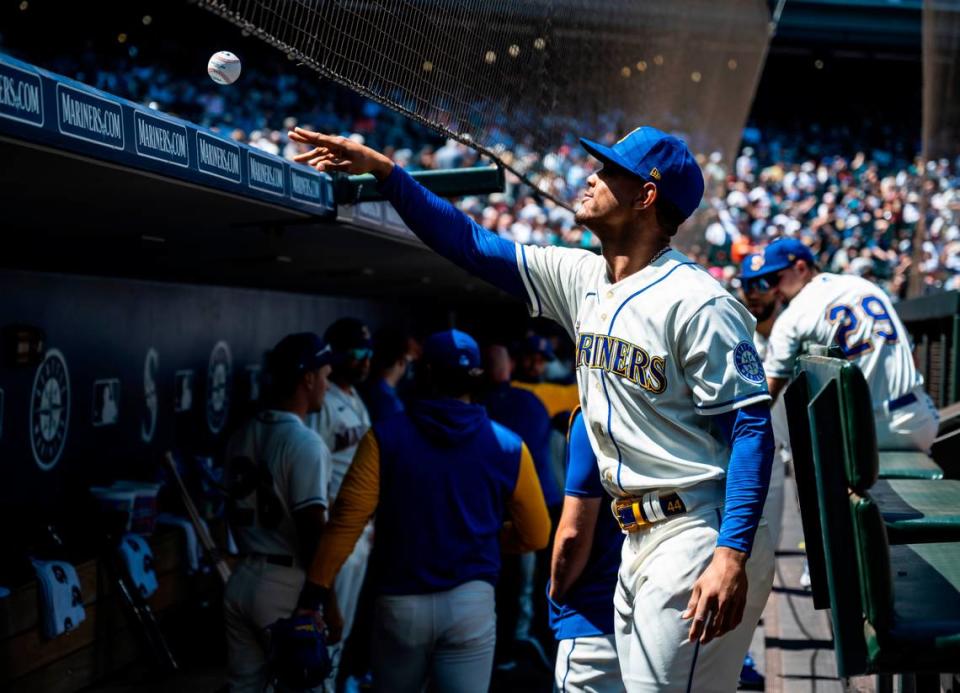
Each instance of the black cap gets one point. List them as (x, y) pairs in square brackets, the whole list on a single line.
[(299, 353), (346, 334)]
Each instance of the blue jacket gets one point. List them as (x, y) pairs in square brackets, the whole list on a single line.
[(524, 414), (449, 472)]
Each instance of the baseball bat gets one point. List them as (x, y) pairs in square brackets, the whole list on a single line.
[(201, 529)]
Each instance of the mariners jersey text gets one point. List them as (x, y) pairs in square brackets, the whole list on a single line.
[(620, 357)]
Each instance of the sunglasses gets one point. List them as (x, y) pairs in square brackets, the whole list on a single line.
[(767, 282), (360, 354)]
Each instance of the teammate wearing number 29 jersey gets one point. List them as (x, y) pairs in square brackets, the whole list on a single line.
[(858, 317)]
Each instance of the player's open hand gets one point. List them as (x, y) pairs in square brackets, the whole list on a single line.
[(332, 153), (719, 596)]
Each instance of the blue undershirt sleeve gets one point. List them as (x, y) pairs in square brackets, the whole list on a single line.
[(583, 476), (750, 435), (454, 235)]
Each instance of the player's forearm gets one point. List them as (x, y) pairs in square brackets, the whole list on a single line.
[(748, 475), (570, 553), (452, 234), (775, 386), (572, 543)]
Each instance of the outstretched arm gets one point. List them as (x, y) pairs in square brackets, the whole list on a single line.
[(439, 224)]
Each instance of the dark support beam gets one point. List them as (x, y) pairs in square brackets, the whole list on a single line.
[(455, 182)]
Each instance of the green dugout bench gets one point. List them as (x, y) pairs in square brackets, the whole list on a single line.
[(882, 531)]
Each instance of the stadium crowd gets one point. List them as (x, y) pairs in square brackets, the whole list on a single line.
[(858, 212)]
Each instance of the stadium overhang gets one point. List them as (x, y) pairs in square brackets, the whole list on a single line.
[(84, 192)]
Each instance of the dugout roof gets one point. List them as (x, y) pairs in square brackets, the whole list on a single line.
[(96, 185), (70, 213)]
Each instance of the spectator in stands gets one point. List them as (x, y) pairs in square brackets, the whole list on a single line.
[(857, 211)]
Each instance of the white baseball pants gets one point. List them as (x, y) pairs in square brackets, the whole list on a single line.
[(913, 427), (588, 665), (348, 583), (447, 638), (256, 596), (658, 568)]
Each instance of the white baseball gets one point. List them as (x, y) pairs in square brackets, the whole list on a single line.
[(223, 67)]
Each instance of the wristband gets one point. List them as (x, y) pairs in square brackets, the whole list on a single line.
[(312, 596)]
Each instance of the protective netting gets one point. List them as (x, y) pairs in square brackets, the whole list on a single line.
[(941, 78), (492, 73)]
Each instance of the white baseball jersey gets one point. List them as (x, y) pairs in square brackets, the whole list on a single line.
[(657, 353), (858, 316), (342, 422), (299, 463)]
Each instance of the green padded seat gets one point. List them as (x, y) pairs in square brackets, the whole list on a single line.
[(908, 465), (919, 510), (910, 595)]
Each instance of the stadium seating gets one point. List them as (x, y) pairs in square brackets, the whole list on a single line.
[(884, 553)]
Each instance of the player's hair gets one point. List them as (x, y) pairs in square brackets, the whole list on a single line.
[(282, 381), (669, 216), (389, 346)]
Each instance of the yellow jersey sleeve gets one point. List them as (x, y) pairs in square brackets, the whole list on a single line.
[(528, 527), (555, 398), (355, 505)]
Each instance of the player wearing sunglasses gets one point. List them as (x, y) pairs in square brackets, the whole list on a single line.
[(342, 422)]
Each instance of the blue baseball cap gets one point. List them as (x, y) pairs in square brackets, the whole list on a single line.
[(753, 265), (299, 353), (780, 254), (656, 157), (452, 349)]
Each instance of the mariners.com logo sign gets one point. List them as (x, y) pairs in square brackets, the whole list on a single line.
[(21, 95), (73, 116)]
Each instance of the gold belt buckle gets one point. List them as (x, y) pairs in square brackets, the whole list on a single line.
[(629, 514)]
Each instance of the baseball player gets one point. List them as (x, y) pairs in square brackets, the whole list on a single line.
[(342, 422), (391, 361), (673, 394), (533, 355), (525, 576), (583, 576), (441, 479), (278, 473), (763, 304), (856, 315)]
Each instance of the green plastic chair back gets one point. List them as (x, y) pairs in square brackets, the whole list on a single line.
[(873, 555)]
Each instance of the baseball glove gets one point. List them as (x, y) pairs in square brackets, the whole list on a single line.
[(298, 653)]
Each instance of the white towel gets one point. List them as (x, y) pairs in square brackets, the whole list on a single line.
[(138, 559), (60, 597)]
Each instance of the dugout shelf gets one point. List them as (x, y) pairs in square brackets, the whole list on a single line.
[(918, 510), (908, 465)]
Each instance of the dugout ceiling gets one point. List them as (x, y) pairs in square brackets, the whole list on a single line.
[(74, 214)]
